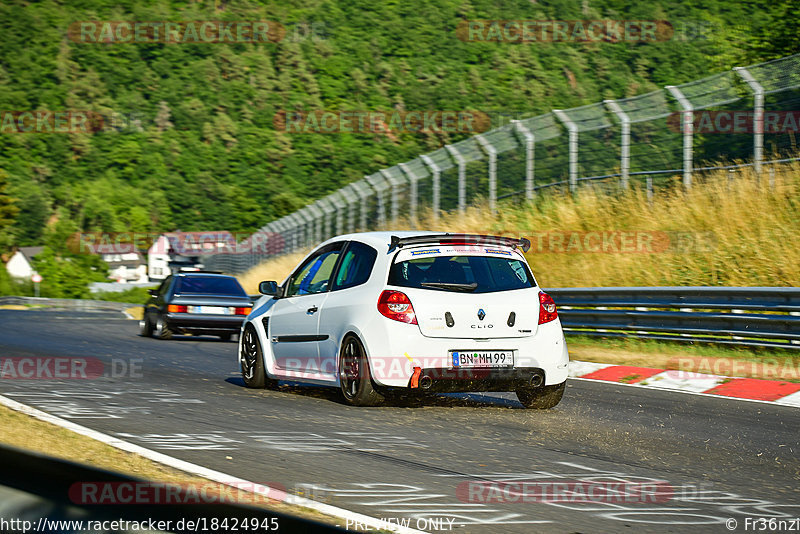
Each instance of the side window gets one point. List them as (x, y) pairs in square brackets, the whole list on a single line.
[(314, 275), (162, 289), (356, 266)]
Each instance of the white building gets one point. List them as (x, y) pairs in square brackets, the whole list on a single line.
[(175, 251), (126, 267), (21, 263)]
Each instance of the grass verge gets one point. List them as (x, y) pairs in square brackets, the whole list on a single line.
[(28, 433)]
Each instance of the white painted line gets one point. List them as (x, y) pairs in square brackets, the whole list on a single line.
[(790, 400), (210, 474), (683, 381), (578, 368), (678, 391)]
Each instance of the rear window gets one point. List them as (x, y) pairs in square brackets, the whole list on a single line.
[(473, 274), (209, 285)]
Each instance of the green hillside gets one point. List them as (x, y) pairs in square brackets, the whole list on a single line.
[(195, 146)]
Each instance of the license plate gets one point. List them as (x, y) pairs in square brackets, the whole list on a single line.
[(482, 358), (215, 310)]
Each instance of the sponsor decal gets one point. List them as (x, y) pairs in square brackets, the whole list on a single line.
[(424, 252), (497, 251)]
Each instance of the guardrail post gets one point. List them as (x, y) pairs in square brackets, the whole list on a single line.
[(758, 116), (530, 146), (572, 128), (625, 141), (413, 193), (492, 153), (687, 127), (436, 182), (462, 176)]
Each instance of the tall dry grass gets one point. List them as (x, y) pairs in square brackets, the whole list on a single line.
[(725, 231)]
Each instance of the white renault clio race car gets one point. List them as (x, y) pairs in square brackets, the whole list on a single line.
[(400, 312)]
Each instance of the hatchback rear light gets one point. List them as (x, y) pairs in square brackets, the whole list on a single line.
[(175, 308), (241, 311), (396, 306), (547, 308)]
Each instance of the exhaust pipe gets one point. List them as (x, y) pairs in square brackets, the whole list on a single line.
[(425, 382), (537, 380)]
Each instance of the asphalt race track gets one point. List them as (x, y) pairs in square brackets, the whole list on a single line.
[(451, 459)]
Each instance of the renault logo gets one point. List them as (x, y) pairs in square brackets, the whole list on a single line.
[(481, 314)]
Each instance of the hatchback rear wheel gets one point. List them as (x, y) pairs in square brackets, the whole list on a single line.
[(354, 375)]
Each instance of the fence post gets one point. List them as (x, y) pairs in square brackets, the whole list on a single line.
[(337, 201), (687, 126), (437, 186), (363, 190), (377, 186), (308, 219), (294, 229), (530, 146), (315, 214), (280, 227), (462, 176), (758, 116), (573, 148), (625, 143), (412, 193), (350, 195), (492, 153), (320, 230)]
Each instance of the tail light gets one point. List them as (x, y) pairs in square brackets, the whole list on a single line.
[(241, 311), (547, 308), (396, 306), (175, 308)]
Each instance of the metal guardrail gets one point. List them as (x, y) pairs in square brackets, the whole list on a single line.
[(747, 316)]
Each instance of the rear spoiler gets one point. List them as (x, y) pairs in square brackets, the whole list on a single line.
[(461, 239)]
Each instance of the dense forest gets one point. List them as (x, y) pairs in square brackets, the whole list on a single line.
[(189, 140)]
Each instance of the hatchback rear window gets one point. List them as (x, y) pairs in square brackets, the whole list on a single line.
[(472, 274), (209, 285)]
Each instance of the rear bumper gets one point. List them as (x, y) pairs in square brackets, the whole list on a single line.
[(440, 380), (204, 324), (395, 349)]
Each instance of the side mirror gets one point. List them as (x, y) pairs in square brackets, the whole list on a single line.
[(269, 287), (152, 292)]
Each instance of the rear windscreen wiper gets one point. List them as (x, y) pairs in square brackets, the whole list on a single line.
[(466, 288)]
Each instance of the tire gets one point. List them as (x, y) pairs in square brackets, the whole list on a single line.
[(252, 361), (162, 331), (225, 337), (145, 327), (542, 398), (355, 381)]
